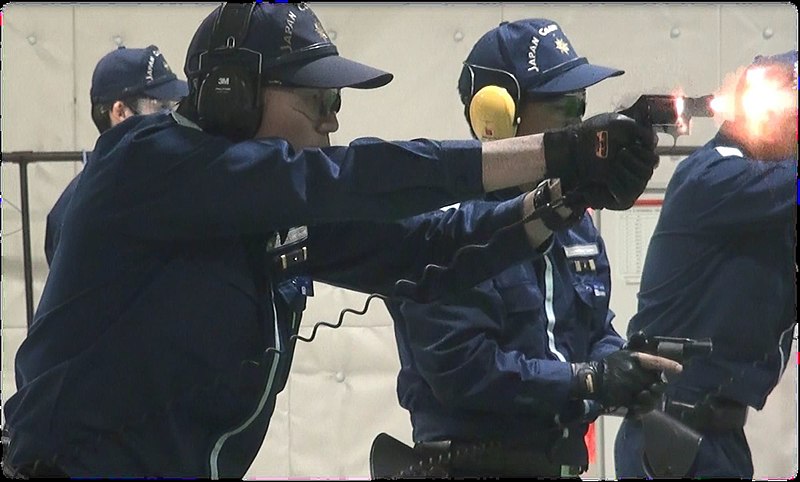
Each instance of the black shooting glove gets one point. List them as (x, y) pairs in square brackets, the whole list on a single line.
[(628, 178), (606, 160), (618, 381)]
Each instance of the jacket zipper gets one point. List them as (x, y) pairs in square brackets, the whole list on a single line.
[(214, 459)]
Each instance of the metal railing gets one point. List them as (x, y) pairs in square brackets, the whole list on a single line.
[(24, 158)]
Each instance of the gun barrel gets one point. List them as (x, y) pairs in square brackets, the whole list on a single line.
[(700, 106), (698, 348), (673, 351), (680, 351)]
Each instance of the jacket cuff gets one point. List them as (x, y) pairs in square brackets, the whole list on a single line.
[(462, 166)]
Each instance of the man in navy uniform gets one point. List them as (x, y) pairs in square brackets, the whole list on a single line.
[(503, 379), (164, 332), (720, 265), (125, 82)]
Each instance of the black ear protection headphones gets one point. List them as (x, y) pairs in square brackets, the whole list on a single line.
[(227, 99), (493, 111)]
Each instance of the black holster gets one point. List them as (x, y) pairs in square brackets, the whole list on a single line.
[(389, 458), (670, 447), (673, 433)]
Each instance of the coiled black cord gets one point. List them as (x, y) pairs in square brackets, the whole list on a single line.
[(408, 286)]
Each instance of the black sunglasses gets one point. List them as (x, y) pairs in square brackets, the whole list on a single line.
[(329, 101), (572, 105)]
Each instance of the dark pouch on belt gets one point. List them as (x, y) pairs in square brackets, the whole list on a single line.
[(670, 447)]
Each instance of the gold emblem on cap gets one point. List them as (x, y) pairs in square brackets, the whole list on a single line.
[(562, 46)]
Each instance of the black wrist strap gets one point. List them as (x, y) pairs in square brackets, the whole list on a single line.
[(586, 381), (543, 205)]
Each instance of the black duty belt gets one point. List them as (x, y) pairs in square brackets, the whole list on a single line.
[(477, 459), (713, 415)]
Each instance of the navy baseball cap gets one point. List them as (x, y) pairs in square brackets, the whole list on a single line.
[(295, 50), (132, 72), (532, 56)]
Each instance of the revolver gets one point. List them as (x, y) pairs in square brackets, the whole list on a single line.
[(676, 349), (669, 113)]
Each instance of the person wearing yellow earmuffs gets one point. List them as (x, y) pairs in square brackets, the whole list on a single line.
[(503, 379)]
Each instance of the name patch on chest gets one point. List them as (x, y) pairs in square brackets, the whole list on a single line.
[(581, 250)]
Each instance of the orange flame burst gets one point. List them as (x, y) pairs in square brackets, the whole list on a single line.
[(764, 95), (683, 123), (754, 101), (680, 106)]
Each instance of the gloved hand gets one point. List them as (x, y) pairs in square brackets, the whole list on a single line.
[(628, 179), (620, 380), (607, 160)]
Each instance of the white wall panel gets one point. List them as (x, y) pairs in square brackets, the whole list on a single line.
[(423, 45), (274, 458), (13, 290), (749, 29), (38, 63)]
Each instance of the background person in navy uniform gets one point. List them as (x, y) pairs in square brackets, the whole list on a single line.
[(502, 363), (721, 264), (125, 82), (162, 337)]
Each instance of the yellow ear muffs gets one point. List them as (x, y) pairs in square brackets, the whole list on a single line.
[(492, 114)]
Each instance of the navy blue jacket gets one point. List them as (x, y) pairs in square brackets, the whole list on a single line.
[(721, 264), (55, 218), (489, 363), (152, 350)]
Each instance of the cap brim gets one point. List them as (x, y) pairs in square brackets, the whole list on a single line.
[(173, 90), (335, 72), (578, 78)]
